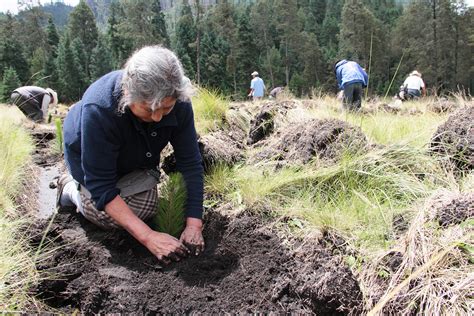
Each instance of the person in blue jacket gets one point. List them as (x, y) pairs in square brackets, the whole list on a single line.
[(351, 78), (113, 138)]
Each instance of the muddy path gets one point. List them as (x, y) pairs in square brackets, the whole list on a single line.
[(247, 267)]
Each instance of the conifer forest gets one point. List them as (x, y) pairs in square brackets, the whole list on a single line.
[(292, 43)]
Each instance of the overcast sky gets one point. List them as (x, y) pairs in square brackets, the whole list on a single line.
[(6, 5), (12, 5)]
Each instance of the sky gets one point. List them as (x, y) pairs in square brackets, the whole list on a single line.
[(12, 5)]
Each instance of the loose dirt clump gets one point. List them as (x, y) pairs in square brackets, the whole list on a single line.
[(325, 139), (455, 139), (218, 148), (242, 270), (215, 148), (457, 210), (264, 122), (321, 280)]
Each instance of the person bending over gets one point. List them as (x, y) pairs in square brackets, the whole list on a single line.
[(113, 138)]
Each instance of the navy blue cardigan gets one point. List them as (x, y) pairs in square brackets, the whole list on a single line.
[(101, 145)]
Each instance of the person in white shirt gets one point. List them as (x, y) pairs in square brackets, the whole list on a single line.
[(257, 87), (414, 86)]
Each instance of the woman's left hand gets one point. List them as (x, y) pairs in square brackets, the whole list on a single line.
[(192, 235)]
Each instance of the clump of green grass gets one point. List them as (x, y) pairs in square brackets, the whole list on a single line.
[(209, 110), (17, 266), (383, 127), (59, 135), (358, 197), (171, 206)]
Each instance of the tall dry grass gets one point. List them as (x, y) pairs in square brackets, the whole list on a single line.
[(17, 259)]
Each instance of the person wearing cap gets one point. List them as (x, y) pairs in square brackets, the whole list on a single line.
[(34, 101), (257, 87), (351, 78), (414, 86), (113, 138)]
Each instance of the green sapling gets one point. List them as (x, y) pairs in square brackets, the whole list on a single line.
[(171, 205)]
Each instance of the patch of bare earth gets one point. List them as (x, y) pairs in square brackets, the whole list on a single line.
[(245, 268)]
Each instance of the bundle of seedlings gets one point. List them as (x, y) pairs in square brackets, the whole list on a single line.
[(433, 270), (171, 206)]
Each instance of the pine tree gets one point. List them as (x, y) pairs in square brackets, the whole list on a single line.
[(50, 75), (413, 41), (213, 56), (158, 25), (264, 25), (52, 37), (101, 61), (70, 81), (82, 25), (314, 66), (247, 55), (223, 21), (9, 83), (362, 39), (11, 51), (185, 39)]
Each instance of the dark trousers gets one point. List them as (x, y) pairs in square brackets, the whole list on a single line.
[(413, 93), (352, 96), (30, 110)]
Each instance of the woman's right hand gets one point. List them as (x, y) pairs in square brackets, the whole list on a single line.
[(165, 247)]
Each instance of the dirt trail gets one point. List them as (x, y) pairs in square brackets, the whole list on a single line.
[(245, 268)]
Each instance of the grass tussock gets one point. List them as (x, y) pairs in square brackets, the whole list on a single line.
[(385, 127), (359, 196), (209, 110), (17, 266), (435, 274)]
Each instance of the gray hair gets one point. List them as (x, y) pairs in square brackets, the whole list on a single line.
[(151, 74)]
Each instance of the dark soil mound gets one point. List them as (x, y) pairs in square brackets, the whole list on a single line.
[(264, 122), (457, 210), (244, 269), (218, 148), (215, 148), (455, 138), (324, 139)]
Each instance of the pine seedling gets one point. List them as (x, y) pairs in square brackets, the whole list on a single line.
[(59, 134), (170, 216)]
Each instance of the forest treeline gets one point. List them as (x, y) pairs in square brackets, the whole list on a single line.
[(292, 43)]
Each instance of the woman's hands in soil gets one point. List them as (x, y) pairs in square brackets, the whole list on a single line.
[(165, 247), (192, 235)]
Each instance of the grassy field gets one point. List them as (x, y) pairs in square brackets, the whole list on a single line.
[(367, 198), (359, 197), (17, 266)]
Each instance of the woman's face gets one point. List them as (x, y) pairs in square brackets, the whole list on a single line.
[(143, 111)]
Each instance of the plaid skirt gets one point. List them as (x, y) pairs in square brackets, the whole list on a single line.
[(143, 204)]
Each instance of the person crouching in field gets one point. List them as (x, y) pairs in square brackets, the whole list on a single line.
[(351, 78), (34, 101), (413, 87), (113, 138)]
